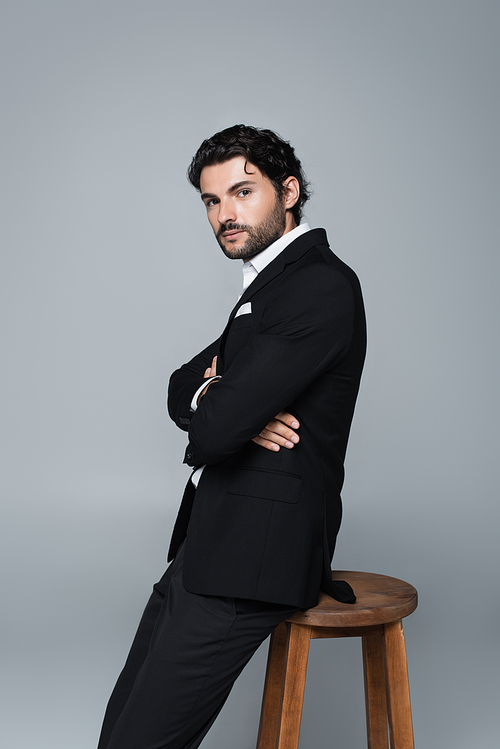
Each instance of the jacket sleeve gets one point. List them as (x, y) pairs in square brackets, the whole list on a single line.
[(306, 327), (184, 383)]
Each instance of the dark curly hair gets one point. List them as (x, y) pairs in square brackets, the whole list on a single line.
[(273, 156)]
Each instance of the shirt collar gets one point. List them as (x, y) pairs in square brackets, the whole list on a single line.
[(260, 261)]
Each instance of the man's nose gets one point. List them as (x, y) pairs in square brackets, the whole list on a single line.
[(227, 211)]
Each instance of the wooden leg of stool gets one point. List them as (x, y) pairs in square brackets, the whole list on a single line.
[(295, 681), (375, 692), (398, 690), (284, 688), (272, 699)]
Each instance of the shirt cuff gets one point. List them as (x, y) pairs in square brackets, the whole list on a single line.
[(194, 402)]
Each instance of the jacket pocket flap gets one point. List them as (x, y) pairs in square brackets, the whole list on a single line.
[(276, 485)]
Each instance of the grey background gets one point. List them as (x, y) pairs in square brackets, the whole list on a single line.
[(110, 279)]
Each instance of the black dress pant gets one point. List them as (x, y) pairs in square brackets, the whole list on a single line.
[(187, 653)]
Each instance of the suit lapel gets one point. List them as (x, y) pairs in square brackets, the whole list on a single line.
[(290, 254)]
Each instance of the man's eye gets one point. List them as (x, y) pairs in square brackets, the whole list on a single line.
[(243, 193), (211, 202)]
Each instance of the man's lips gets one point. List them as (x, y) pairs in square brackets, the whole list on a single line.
[(232, 234)]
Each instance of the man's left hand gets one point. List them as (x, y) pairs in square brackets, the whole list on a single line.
[(209, 372)]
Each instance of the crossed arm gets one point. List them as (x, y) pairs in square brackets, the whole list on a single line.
[(280, 430), (258, 384)]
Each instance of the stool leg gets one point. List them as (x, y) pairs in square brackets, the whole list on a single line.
[(398, 690), (272, 699), (284, 689), (299, 638), (375, 692)]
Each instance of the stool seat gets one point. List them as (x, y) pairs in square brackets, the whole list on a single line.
[(381, 604), (379, 600)]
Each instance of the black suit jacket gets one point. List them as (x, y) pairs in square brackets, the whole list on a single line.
[(263, 525)]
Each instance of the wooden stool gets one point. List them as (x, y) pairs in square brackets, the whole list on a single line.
[(381, 603)]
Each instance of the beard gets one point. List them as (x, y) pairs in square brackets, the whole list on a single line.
[(258, 237)]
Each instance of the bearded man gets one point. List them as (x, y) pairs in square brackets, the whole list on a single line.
[(268, 408)]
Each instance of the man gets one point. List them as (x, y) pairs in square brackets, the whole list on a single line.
[(267, 408)]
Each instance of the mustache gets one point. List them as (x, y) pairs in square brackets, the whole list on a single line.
[(230, 227)]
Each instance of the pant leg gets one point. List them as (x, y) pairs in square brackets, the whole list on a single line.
[(136, 656), (198, 646)]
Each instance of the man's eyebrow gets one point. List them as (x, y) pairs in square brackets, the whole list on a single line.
[(241, 184), (234, 188)]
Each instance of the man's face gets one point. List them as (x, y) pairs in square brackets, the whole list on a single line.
[(242, 207)]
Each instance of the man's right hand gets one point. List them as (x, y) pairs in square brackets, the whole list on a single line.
[(279, 433), (280, 430)]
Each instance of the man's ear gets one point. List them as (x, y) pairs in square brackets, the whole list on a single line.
[(291, 191)]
